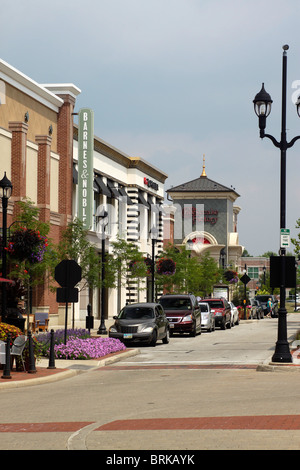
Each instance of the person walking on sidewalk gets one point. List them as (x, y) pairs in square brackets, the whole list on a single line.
[(269, 307)]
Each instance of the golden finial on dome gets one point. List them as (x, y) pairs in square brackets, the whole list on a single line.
[(203, 171)]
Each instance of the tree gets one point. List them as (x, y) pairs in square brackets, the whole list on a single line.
[(193, 274), (30, 252), (296, 241), (75, 245), (127, 262)]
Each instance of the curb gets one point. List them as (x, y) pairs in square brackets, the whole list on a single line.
[(75, 369)]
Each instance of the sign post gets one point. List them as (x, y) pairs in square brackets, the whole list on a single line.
[(67, 274), (284, 238), (245, 279)]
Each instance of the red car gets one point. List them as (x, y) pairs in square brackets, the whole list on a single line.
[(220, 308), (183, 313)]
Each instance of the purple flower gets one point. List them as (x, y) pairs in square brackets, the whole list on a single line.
[(90, 348)]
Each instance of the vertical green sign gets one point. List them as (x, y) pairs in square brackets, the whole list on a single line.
[(85, 167)]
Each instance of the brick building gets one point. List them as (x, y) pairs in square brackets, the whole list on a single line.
[(38, 152)]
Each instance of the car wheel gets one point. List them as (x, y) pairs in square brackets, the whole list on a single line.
[(154, 338), (166, 339), (237, 321), (194, 331), (223, 325)]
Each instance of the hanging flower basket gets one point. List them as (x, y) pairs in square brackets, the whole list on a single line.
[(27, 244), (165, 266), (148, 263), (231, 277)]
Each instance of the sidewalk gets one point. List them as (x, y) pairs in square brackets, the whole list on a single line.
[(68, 368), (63, 368)]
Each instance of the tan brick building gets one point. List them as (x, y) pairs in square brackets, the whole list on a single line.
[(36, 151)]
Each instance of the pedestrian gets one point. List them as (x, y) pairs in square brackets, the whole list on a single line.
[(269, 307)]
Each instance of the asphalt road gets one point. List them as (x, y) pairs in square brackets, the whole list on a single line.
[(201, 393)]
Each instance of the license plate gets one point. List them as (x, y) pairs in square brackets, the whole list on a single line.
[(171, 325), (127, 335)]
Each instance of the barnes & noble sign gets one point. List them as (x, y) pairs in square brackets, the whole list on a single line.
[(85, 167)]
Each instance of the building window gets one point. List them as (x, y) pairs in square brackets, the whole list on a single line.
[(253, 272)]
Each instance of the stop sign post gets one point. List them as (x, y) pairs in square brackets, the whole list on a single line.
[(67, 274)]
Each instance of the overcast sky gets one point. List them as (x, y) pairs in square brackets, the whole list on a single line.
[(171, 80)]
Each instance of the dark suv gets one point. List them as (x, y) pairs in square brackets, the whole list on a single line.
[(263, 300), (183, 313), (221, 311)]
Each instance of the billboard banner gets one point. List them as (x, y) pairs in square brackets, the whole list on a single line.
[(85, 166)]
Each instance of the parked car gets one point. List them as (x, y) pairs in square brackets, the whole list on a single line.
[(141, 322), (256, 309), (207, 318), (263, 299), (234, 314), (183, 313), (221, 311)]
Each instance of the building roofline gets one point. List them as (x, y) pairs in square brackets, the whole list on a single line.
[(22, 82)]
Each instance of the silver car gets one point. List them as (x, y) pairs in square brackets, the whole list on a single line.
[(234, 314), (207, 318)]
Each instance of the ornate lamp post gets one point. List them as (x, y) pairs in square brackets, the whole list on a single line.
[(5, 193), (103, 221), (262, 106)]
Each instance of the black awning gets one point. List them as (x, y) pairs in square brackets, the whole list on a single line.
[(75, 175), (124, 194), (101, 187), (114, 191), (143, 201)]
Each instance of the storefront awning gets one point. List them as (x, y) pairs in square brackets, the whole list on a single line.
[(124, 194), (100, 186), (143, 201)]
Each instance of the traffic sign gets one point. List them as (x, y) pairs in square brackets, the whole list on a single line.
[(67, 273), (66, 294), (284, 237), (245, 279)]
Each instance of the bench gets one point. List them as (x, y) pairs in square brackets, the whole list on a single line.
[(30, 322), (41, 321)]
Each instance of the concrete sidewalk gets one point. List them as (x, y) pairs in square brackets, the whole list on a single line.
[(63, 368)]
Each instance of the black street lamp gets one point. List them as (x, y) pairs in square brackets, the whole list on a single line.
[(262, 106), (5, 193), (103, 221), (153, 236)]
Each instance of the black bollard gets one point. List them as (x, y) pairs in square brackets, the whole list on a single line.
[(51, 356), (32, 369), (6, 371)]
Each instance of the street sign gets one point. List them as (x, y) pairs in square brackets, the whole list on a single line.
[(277, 269), (66, 294), (284, 237), (67, 273), (245, 279)]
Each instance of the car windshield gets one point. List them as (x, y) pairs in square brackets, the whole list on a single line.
[(175, 303), (203, 307), (216, 304), (262, 298), (136, 313)]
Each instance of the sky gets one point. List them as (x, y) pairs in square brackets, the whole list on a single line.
[(173, 80)]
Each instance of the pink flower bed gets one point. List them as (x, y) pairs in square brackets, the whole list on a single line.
[(89, 348)]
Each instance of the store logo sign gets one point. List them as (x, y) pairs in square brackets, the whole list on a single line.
[(150, 184), (85, 167)]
